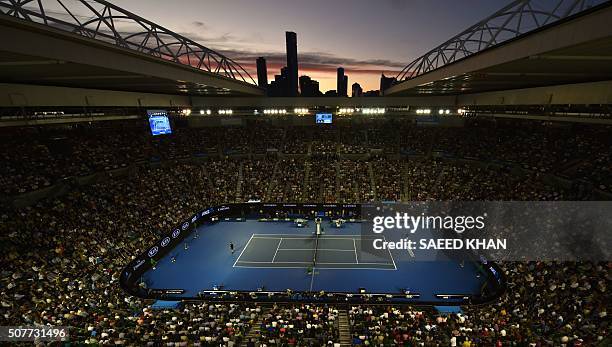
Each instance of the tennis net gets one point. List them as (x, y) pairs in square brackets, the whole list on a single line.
[(316, 248)]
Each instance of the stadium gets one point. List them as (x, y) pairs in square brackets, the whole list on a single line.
[(157, 190)]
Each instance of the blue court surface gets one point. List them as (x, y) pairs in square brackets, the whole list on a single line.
[(278, 256)]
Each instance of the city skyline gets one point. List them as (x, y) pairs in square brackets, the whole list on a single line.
[(331, 34)]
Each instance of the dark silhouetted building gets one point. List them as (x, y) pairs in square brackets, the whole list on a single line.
[(372, 93), (262, 73), (280, 85), (357, 90), (341, 83), (292, 64), (385, 82), (331, 93), (309, 87)]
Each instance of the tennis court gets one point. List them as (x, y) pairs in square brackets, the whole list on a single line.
[(277, 256), (328, 252)]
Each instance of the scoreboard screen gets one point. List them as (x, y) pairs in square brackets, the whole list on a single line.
[(323, 118), (159, 122)]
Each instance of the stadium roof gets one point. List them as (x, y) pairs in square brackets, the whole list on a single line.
[(109, 48), (575, 49)]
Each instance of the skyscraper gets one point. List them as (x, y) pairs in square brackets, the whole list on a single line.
[(262, 72), (309, 87), (357, 90), (280, 85), (292, 63), (385, 82), (341, 82)]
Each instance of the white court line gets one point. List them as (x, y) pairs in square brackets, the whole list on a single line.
[(319, 249), (267, 267), (358, 268), (280, 262), (314, 270), (303, 238), (277, 247), (293, 236), (393, 260), (309, 263), (324, 268), (245, 247), (386, 264), (355, 249), (306, 262), (289, 235)]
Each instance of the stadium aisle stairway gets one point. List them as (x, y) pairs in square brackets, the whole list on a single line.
[(338, 180), (240, 177), (207, 176), (306, 180), (272, 183), (253, 332), (404, 193), (344, 329), (372, 180)]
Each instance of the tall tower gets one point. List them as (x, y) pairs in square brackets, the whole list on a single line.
[(385, 82), (292, 63), (262, 72), (357, 90), (341, 82)]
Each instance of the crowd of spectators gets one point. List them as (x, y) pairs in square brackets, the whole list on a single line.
[(354, 181), (387, 175), (288, 182), (321, 181), (304, 325), (547, 304), (255, 178), (36, 158), (64, 254), (193, 324)]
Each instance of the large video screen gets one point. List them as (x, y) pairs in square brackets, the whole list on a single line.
[(324, 118), (159, 122)]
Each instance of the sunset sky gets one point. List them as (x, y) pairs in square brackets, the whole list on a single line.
[(366, 37)]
